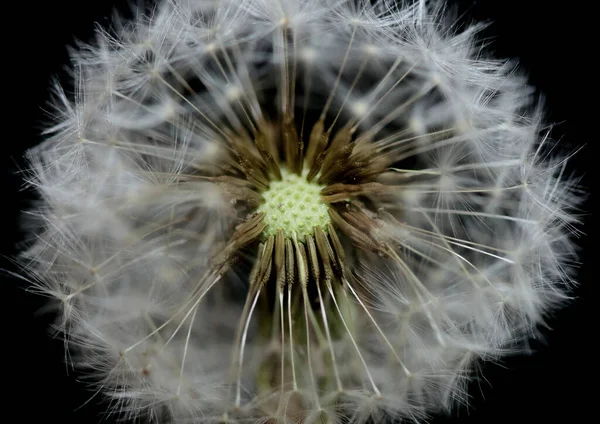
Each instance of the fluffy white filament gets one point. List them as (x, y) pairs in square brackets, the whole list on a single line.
[(127, 224)]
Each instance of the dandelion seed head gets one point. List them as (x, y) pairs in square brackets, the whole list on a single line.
[(298, 211)]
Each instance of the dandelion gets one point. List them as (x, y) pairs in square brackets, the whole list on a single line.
[(296, 211)]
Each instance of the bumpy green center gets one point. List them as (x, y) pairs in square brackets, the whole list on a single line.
[(293, 205)]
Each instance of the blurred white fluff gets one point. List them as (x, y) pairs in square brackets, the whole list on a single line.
[(124, 230)]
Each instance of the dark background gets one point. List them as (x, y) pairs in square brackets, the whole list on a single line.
[(553, 42)]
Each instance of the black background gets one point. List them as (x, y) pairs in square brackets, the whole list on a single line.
[(552, 41)]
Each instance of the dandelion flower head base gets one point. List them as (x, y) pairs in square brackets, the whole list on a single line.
[(296, 211), (294, 205)]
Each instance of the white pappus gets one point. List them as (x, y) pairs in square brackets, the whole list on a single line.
[(296, 211)]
